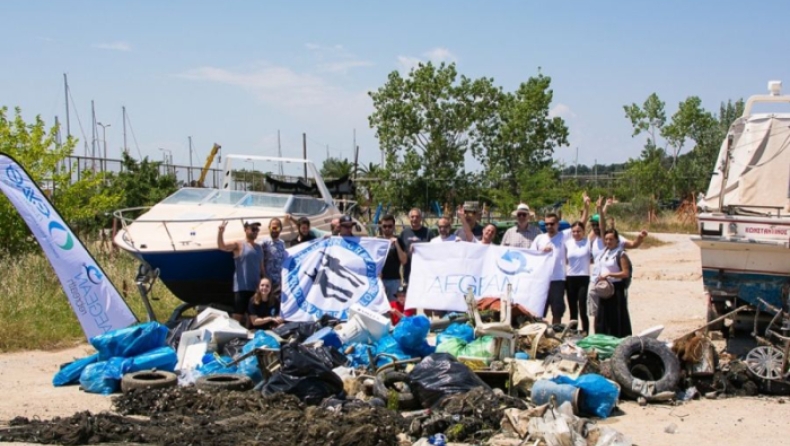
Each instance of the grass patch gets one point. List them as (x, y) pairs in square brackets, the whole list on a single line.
[(34, 311)]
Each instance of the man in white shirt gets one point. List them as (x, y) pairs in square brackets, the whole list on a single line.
[(444, 232), (553, 241)]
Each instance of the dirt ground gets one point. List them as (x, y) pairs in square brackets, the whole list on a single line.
[(667, 290)]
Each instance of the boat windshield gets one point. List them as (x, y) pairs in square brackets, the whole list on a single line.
[(188, 195), (199, 196)]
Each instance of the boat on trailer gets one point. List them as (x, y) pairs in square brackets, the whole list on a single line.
[(744, 218), (176, 239)]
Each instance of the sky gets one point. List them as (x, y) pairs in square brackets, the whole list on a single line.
[(238, 72)]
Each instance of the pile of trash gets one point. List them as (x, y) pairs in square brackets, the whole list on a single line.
[(483, 377)]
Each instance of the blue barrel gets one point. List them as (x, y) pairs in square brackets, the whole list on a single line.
[(543, 391)]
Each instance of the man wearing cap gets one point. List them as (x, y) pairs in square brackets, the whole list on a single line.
[(523, 234), (345, 226), (273, 256), (472, 219), (248, 260)]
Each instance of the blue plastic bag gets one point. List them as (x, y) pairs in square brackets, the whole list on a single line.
[(70, 373), (162, 358), (327, 335), (411, 332), (102, 377), (599, 395), (389, 345), (130, 341), (421, 351), (458, 330), (249, 366), (359, 355), (215, 367)]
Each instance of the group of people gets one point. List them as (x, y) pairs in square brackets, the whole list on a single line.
[(584, 256), (583, 259)]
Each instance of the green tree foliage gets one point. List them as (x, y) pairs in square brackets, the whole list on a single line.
[(141, 183), (426, 123), (334, 168), (35, 147), (520, 137)]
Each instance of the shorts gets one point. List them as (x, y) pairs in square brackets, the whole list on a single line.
[(241, 301)]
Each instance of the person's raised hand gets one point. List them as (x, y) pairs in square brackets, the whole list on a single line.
[(223, 225)]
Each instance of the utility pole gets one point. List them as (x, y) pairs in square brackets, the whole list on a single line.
[(189, 177), (94, 135), (280, 154), (104, 138), (304, 153), (125, 149), (66, 91)]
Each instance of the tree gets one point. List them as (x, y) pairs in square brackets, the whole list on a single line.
[(142, 183), (37, 150), (520, 136), (426, 123), (334, 168)]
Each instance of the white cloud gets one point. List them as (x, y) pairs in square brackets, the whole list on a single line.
[(562, 111), (435, 55), (335, 58), (282, 87), (114, 46)]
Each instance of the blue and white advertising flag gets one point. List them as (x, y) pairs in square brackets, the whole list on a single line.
[(328, 275), (441, 274), (94, 299)]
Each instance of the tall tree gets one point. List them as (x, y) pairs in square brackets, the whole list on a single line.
[(334, 168), (36, 148), (520, 136), (426, 123)]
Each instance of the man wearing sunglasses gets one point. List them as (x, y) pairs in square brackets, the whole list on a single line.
[(248, 260), (396, 257), (553, 241), (523, 234)]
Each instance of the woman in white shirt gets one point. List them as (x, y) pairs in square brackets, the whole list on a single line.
[(577, 249), (613, 265)]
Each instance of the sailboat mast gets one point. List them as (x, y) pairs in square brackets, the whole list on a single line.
[(66, 92)]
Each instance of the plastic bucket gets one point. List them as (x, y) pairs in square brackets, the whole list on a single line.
[(544, 391), (354, 331)]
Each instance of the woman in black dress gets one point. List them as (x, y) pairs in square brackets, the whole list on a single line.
[(613, 265)]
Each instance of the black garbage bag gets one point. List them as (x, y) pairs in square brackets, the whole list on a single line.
[(174, 334), (440, 375), (297, 331), (306, 374)]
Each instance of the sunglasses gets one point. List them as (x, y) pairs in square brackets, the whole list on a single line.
[(254, 229), (521, 214), (550, 224), (387, 226), (445, 226)]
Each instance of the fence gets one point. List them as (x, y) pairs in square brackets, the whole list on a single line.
[(76, 165)]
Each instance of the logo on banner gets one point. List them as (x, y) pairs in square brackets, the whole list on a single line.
[(513, 262), (94, 275), (40, 205), (331, 275)]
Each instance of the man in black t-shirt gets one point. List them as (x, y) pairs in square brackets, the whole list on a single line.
[(396, 256), (415, 233), (303, 230)]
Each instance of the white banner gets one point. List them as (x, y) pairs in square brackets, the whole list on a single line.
[(441, 273), (328, 275), (95, 300)]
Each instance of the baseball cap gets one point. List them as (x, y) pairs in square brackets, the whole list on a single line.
[(595, 218), (248, 224), (522, 208), (346, 220), (471, 206)]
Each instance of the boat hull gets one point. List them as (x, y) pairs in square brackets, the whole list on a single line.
[(199, 277)]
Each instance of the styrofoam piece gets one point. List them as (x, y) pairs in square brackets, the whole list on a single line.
[(192, 348), (377, 325), (652, 332), (208, 315)]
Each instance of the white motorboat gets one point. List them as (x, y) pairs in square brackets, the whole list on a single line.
[(178, 236)]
